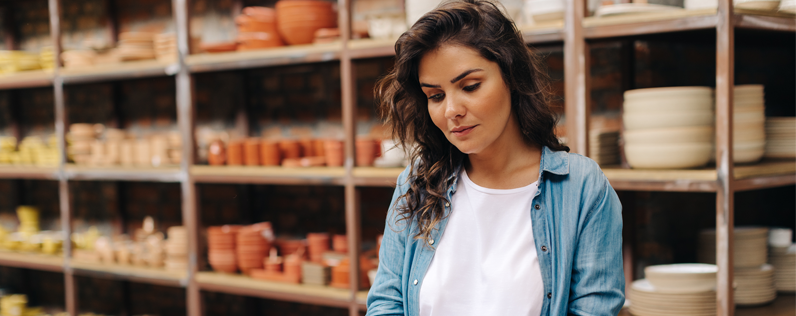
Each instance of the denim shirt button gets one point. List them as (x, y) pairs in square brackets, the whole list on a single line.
[(549, 295), (537, 207), (447, 204), (544, 248), (431, 241), (415, 282)]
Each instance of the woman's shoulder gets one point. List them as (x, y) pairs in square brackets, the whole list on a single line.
[(576, 167)]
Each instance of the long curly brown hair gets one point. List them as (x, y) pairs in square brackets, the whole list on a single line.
[(479, 25)]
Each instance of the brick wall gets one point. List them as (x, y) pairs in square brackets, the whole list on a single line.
[(82, 21), (38, 193), (36, 111), (144, 16), (33, 23), (45, 289), (90, 103)]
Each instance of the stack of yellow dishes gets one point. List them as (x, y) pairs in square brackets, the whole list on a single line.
[(781, 137), (784, 261), (750, 249), (13, 61), (47, 58), (749, 117), (755, 286), (668, 128), (28, 220), (676, 289)]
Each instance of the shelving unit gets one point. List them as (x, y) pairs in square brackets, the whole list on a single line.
[(575, 34)]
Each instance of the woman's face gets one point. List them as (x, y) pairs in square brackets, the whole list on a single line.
[(467, 98)]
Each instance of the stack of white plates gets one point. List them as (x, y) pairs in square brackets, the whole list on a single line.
[(544, 10), (781, 137), (682, 278), (647, 300), (784, 261), (755, 285), (750, 247), (749, 137), (604, 147), (668, 128)]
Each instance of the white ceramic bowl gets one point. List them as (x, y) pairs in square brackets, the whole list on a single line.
[(748, 117), (745, 135), (667, 92), (682, 278), (634, 121), (748, 103), (745, 152), (668, 156), (748, 88), (699, 134), (675, 104)]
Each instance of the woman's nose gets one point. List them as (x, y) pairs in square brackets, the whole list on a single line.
[(454, 108)]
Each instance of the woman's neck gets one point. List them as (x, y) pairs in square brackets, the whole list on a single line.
[(505, 165)]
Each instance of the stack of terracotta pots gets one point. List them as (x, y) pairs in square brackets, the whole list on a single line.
[(221, 248), (318, 244), (291, 246), (340, 273), (279, 270), (257, 29), (340, 243), (285, 152), (252, 244), (298, 20)]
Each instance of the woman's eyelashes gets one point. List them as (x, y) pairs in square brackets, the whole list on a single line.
[(440, 96)]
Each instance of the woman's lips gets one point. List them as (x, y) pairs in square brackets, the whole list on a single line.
[(462, 130)]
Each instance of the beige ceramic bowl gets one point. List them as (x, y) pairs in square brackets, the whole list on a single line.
[(745, 135), (634, 121), (749, 117), (675, 104), (682, 278), (667, 92), (668, 156), (746, 152), (699, 134)]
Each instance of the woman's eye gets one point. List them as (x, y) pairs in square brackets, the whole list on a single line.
[(436, 97), (472, 87)]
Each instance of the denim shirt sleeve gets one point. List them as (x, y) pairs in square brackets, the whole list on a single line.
[(597, 285), (386, 295)]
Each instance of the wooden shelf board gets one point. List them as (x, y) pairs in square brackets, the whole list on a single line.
[(371, 48), (552, 31), (31, 261), (649, 23), (762, 20), (700, 180), (301, 293), (119, 173), (26, 79), (132, 273), (269, 175), (28, 172), (288, 55), (118, 71), (379, 177)]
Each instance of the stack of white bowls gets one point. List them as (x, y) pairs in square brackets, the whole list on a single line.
[(788, 6), (537, 11), (781, 137), (759, 5), (668, 128), (604, 147), (754, 286), (784, 261), (749, 117), (646, 300), (750, 249)]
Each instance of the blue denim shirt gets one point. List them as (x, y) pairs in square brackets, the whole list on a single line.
[(577, 228)]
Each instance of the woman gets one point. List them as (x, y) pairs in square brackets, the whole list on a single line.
[(494, 217)]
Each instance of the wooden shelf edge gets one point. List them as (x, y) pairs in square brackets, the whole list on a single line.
[(26, 79), (28, 172), (649, 23), (118, 71), (773, 22), (160, 174), (269, 175), (131, 273), (242, 285), (362, 300), (31, 261), (288, 55), (376, 177)]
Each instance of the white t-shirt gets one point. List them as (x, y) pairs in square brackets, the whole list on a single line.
[(485, 262)]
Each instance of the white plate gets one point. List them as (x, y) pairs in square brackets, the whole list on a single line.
[(668, 156), (667, 120), (666, 92), (670, 135)]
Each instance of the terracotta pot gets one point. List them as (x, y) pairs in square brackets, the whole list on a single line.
[(269, 153), (251, 150), (297, 20), (317, 244), (235, 153), (258, 40), (307, 148), (333, 151), (290, 149), (366, 152), (219, 47), (317, 148), (216, 153), (260, 12), (340, 243)]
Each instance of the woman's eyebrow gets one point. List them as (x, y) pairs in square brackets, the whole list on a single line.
[(464, 74)]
